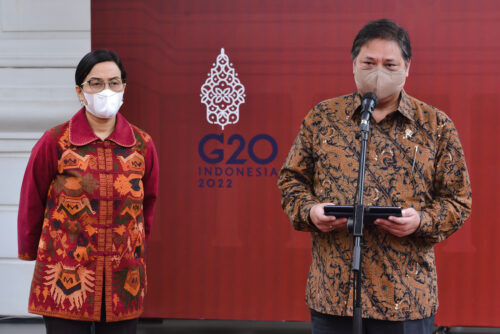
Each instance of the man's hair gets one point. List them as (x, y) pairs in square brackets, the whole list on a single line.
[(383, 29)]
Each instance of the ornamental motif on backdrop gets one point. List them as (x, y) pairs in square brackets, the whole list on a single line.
[(222, 93)]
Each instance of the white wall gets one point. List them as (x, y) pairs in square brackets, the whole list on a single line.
[(41, 42)]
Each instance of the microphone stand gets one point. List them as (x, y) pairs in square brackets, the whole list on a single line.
[(357, 225)]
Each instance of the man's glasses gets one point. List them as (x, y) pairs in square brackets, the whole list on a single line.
[(98, 85)]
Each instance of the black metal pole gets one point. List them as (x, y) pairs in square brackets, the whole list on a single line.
[(359, 211)]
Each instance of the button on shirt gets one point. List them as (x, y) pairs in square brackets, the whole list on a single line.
[(414, 159)]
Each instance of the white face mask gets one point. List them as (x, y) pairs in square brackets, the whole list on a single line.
[(104, 104)]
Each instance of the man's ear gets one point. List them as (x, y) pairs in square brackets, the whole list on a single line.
[(408, 68)]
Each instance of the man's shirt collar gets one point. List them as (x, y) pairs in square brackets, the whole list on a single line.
[(404, 107)]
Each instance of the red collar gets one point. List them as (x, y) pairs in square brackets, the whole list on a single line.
[(80, 132)]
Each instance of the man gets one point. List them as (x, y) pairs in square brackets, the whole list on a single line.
[(414, 160)]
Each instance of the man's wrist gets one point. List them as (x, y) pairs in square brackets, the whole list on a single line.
[(309, 221)]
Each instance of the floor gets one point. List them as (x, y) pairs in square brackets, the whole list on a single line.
[(154, 326)]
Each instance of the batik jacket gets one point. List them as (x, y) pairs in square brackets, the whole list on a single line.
[(414, 159), (85, 214)]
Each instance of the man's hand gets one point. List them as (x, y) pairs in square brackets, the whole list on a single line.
[(325, 223), (401, 226)]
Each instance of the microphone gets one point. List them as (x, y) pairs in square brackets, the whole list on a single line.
[(368, 103)]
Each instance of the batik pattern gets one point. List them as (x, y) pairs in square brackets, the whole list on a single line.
[(414, 159)]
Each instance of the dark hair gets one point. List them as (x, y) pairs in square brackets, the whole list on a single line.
[(95, 57), (383, 29)]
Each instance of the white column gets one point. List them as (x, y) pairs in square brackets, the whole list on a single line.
[(41, 43)]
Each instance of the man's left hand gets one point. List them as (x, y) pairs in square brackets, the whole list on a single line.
[(401, 226)]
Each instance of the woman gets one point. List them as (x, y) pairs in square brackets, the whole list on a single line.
[(86, 208)]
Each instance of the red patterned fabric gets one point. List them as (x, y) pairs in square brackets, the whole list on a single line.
[(85, 214)]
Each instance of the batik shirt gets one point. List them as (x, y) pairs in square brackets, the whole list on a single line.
[(85, 214), (414, 159)]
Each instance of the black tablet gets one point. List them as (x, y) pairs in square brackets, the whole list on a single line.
[(371, 212), (339, 211)]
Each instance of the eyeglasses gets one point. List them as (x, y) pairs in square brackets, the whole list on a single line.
[(98, 85)]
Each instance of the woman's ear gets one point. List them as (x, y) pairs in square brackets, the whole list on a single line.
[(80, 95)]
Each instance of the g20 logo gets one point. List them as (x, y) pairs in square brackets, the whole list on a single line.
[(223, 93), (219, 155), (230, 158)]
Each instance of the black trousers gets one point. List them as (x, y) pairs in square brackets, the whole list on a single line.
[(66, 326), (329, 324)]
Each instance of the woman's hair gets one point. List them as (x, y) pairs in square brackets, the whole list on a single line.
[(91, 59)]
